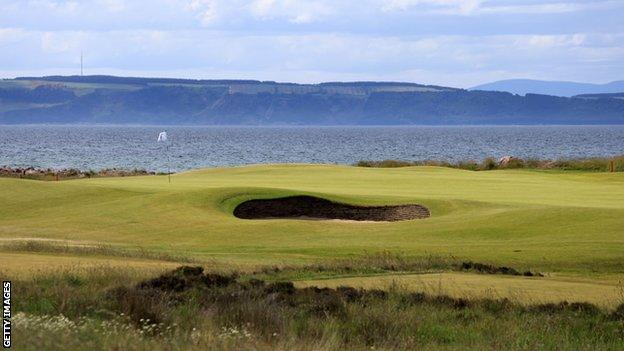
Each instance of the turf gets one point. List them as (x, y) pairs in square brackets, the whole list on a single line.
[(561, 223)]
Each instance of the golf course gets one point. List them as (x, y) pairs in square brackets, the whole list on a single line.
[(566, 224), (563, 228)]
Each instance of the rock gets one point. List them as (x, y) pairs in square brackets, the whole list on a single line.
[(504, 161)]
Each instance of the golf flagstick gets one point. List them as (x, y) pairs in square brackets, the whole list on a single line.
[(162, 137), (168, 163)]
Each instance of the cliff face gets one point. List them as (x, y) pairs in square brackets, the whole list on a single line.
[(104, 99)]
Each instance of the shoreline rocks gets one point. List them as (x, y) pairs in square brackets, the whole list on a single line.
[(68, 173)]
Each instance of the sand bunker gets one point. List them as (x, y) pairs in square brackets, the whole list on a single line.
[(310, 207)]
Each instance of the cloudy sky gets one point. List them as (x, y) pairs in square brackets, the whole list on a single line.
[(447, 42)]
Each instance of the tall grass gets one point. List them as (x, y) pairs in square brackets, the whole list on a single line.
[(371, 263), (594, 164), (382, 262), (188, 310), (89, 250)]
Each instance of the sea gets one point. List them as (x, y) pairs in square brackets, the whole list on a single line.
[(130, 147)]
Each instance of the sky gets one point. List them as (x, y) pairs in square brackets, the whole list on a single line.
[(443, 42)]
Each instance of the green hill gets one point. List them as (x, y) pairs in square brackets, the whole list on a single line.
[(126, 100)]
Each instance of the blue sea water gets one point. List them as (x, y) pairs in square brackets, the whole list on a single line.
[(97, 147)]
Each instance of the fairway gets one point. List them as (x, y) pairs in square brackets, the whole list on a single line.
[(564, 224)]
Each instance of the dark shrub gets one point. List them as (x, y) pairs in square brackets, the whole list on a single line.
[(349, 294), (496, 306), (618, 314), (469, 165), (415, 298), (489, 164), (280, 287), (184, 278), (385, 163), (490, 269), (446, 300), (584, 307), (508, 271), (375, 294), (255, 283), (321, 301)]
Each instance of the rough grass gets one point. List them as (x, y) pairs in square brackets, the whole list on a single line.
[(369, 263), (381, 263), (20, 265), (186, 309), (88, 249), (592, 164), (519, 289)]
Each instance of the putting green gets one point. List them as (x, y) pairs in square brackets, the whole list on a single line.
[(546, 221)]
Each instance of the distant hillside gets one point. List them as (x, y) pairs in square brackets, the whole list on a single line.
[(126, 100), (601, 96), (528, 86)]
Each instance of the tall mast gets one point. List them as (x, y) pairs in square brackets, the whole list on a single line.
[(81, 63)]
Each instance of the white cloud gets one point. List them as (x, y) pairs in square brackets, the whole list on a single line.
[(319, 40), (285, 15), (113, 5), (10, 35), (262, 8), (551, 41), (322, 55), (60, 43), (540, 8), (207, 11), (295, 11), (68, 7), (211, 12), (480, 7), (434, 6)]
